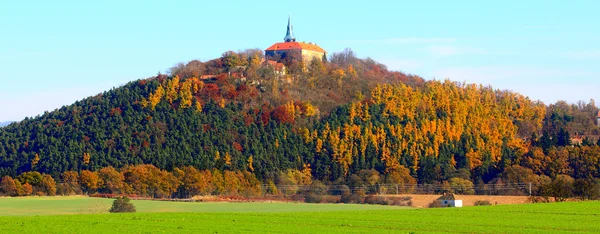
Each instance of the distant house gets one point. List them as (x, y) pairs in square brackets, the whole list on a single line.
[(279, 68), (598, 119), (238, 76), (448, 200), (577, 140)]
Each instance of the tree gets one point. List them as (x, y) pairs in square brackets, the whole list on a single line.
[(90, 181), (122, 205), (27, 189), (370, 177), (197, 182), (148, 180), (402, 178), (71, 182), (8, 186), (34, 178), (48, 185), (113, 180), (561, 188), (20, 191), (171, 90), (185, 94), (563, 138), (155, 97), (586, 189), (461, 186)]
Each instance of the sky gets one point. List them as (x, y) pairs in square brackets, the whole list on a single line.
[(53, 53)]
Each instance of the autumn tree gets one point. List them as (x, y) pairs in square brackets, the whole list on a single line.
[(172, 89), (113, 180), (71, 182), (185, 94), (90, 181), (197, 182), (8, 186), (48, 185), (401, 177), (27, 189)]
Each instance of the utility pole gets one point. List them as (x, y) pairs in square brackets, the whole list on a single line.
[(529, 188)]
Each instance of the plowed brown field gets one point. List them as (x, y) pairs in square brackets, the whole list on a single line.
[(423, 200)]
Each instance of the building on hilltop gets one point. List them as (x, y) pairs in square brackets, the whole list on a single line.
[(289, 49)]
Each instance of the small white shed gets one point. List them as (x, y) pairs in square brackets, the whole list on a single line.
[(448, 200)]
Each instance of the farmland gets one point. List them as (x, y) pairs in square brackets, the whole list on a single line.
[(88, 215)]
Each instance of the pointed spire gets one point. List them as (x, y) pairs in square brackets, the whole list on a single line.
[(289, 36)]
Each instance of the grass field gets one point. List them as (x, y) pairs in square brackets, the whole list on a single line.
[(27, 206), (579, 217)]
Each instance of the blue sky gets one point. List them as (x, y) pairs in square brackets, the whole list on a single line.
[(53, 53)]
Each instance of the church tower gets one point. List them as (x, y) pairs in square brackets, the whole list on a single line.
[(289, 36), (302, 51)]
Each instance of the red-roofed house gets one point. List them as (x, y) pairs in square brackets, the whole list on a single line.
[(598, 119), (308, 51), (278, 67)]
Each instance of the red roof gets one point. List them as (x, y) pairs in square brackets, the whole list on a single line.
[(296, 45), (599, 114), (204, 77), (277, 66)]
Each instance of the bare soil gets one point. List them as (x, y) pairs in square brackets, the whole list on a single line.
[(423, 200)]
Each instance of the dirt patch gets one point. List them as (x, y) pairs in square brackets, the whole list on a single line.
[(423, 200)]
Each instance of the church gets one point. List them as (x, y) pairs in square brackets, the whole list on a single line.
[(290, 47)]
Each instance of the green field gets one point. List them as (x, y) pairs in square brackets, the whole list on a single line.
[(47, 215), (26, 206)]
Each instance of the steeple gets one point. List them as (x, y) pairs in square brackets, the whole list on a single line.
[(289, 36)]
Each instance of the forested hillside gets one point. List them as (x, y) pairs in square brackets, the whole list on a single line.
[(340, 122)]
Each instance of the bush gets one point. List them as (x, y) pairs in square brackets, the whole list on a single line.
[(330, 199), (312, 198), (375, 200), (436, 204), (538, 199), (482, 203), (399, 201), (122, 204), (352, 198)]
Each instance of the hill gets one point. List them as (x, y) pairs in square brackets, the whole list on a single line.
[(345, 121)]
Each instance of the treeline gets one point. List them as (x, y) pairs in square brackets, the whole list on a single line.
[(139, 180)]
